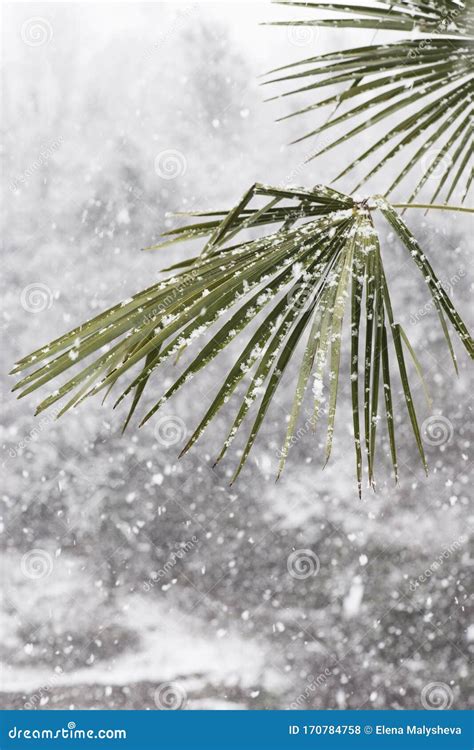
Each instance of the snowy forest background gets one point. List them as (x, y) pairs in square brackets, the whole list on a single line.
[(131, 579)]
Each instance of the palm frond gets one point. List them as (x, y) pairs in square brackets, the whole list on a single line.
[(315, 250), (416, 90)]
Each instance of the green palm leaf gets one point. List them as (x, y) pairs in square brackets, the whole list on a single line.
[(314, 251), (427, 82)]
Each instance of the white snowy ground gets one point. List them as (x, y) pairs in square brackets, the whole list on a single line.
[(168, 643)]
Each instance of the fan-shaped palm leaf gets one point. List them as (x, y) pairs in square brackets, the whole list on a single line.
[(318, 249), (418, 90)]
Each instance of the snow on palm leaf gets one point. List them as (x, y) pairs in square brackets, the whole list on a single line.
[(317, 256), (416, 91)]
